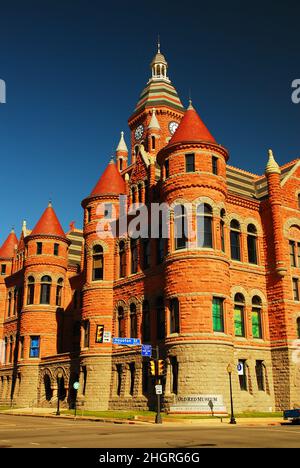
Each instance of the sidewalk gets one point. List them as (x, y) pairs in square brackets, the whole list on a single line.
[(213, 422)]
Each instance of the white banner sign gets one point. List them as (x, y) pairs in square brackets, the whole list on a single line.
[(201, 404)]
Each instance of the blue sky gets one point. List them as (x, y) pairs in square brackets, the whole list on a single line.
[(75, 69)]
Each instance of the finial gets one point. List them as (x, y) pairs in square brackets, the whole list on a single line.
[(12, 229), (272, 166), (158, 44), (112, 160), (24, 226), (190, 105), (50, 203), (122, 144)]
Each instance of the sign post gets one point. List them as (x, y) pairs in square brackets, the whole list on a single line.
[(76, 387)]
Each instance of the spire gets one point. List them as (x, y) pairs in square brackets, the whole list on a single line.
[(158, 44), (191, 129), (8, 248), (24, 227), (159, 66), (122, 144), (48, 224), (110, 183), (272, 167), (154, 124)]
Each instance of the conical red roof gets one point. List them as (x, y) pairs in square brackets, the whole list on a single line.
[(8, 248), (111, 182), (191, 129), (48, 224)]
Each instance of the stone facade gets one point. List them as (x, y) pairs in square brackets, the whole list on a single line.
[(228, 296)]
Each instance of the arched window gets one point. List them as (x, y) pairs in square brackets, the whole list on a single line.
[(160, 318), (121, 322), (239, 315), (235, 233), (98, 263), (298, 328), (146, 321), (134, 255), (45, 290), (256, 317), (174, 316), (204, 225), (30, 290), (133, 321), (180, 227), (153, 142), (252, 244), (59, 289), (122, 259)]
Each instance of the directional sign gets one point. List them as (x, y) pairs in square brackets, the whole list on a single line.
[(126, 341), (146, 350), (158, 389)]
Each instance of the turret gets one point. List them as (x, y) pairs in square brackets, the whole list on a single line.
[(7, 252), (154, 132), (99, 207), (122, 154)]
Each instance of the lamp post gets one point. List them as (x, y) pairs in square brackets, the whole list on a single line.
[(59, 376), (232, 418)]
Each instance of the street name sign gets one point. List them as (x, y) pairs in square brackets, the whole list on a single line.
[(127, 341)]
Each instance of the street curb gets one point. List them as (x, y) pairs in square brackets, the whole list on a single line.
[(78, 418)]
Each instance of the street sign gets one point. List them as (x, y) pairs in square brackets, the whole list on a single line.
[(76, 385), (146, 350), (126, 341), (107, 337), (158, 389), (240, 368)]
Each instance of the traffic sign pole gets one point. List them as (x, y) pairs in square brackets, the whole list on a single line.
[(157, 379)]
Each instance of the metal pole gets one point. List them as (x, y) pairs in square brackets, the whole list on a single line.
[(157, 380), (232, 418), (58, 395), (75, 404)]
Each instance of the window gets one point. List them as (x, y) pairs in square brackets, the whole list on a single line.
[(146, 321), (167, 169), (256, 317), (217, 312), (235, 240), (86, 334), (298, 328), (45, 290), (3, 270), (108, 210), (59, 289), (56, 249), (239, 322), (160, 250), (88, 214), (11, 345), (146, 253), (97, 263), (122, 259), (189, 163), (140, 193), (214, 161), (119, 379), (180, 227), (121, 322), (153, 142), (84, 371), (204, 225), (132, 377), (295, 289), (133, 321), (30, 291), (259, 371), (243, 375), (160, 319), (292, 253), (134, 255), (34, 351), (75, 300), (16, 299), (222, 231), (39, 248), (121, 164), (174, 316), (252, 244), (9, 304), (21, 349), (174, 375)]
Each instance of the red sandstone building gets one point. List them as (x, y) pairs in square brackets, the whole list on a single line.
[(230, 297)]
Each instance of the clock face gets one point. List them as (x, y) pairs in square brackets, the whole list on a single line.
[(139, 131), (173, 127)]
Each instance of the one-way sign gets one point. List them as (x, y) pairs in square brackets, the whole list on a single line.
[(126, 341)]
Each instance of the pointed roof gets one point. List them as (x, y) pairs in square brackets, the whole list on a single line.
[(122, 144), (272, 166), (154, 124), (110, 183), (8, 248), (191, 129), (48, 224)]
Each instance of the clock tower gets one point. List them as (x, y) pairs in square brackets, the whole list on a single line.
[(158, 111)]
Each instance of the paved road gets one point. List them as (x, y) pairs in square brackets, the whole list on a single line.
[(31, 432)]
